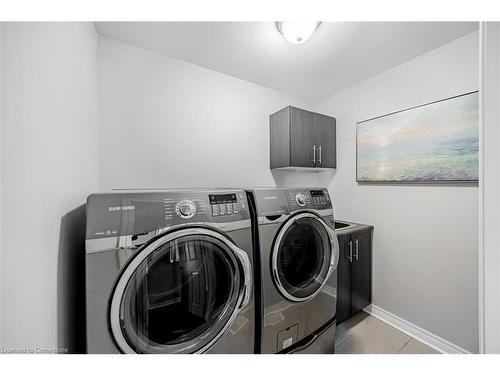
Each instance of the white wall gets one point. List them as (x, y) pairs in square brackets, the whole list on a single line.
[(490, 189), (168, 123), (49, 166), (1, 27), (165, 123), (425, 257)]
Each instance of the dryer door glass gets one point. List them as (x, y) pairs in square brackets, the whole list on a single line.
[(302, 258), (181, 297)]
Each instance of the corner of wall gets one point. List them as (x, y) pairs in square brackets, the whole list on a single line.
[(1, 27), (489, 256)]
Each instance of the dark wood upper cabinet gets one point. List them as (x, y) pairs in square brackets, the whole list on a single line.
[(325, 140), (302, 139)]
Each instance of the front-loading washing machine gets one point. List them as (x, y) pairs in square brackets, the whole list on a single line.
[(169, 272), (299, 253)]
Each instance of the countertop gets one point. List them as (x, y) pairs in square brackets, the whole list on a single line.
[(358, 226)]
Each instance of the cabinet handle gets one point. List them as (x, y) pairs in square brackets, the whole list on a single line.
[(350, 252), (319, 148), (314, 154), (356, 254)]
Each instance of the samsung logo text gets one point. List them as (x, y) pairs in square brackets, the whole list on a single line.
[(121, 208)]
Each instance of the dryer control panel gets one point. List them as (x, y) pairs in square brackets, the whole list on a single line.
[(138, 212)]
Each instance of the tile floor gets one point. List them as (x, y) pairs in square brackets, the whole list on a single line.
[(365, 334)]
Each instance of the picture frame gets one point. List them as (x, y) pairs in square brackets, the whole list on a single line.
[(435, 142)]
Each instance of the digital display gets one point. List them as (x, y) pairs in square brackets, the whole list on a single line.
[(222, 198), (317, 193)]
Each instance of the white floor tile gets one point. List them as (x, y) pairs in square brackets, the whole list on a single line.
[(380, 337), (351, 346), (365, 334), (421, 347), (409, 350)]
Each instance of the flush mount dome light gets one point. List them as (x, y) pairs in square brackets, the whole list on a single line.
[(297, 32)]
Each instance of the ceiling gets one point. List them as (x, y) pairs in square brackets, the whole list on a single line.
[(339, 54)]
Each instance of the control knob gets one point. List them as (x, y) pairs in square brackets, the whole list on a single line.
[(301, 199), (185, 209)]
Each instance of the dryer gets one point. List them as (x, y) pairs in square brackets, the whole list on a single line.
[(169, 272), (299, 253)]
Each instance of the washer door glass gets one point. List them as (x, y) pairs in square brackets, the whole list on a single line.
[(181, 297), (302, 258)]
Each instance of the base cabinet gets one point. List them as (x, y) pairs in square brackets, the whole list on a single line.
[(354, 272), (343, 279)]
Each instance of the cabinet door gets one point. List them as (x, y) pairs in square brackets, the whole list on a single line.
[(301, 138), (361, 270), (343, 280), (279, 124), (324, 139)]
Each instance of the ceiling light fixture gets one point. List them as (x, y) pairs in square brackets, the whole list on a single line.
[(297, 32)]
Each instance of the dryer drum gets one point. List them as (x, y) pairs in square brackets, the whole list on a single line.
[(180, 297)]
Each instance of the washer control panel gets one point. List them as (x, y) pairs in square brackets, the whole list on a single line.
[(317, 199), (224, 204), (320, 198)]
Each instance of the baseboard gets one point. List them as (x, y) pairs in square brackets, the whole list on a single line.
[(428, 338)]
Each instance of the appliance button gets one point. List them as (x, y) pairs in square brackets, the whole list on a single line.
[(229, 208), (222, 209), (215, 210), (235, 208)]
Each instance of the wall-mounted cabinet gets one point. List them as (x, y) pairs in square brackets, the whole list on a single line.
[(354, 271), (302, 139)]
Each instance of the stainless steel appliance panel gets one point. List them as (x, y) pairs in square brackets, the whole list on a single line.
[(130, 234), (279, 312)]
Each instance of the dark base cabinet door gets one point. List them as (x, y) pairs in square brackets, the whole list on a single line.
[(361, 270), (354, 273), (343, 280)]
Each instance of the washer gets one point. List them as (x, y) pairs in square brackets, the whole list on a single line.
[(299, 253), (169, 272)]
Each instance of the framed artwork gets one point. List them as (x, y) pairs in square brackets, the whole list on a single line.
[(434, 142)]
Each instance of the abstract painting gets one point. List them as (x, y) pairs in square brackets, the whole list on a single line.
[(435, 142)]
